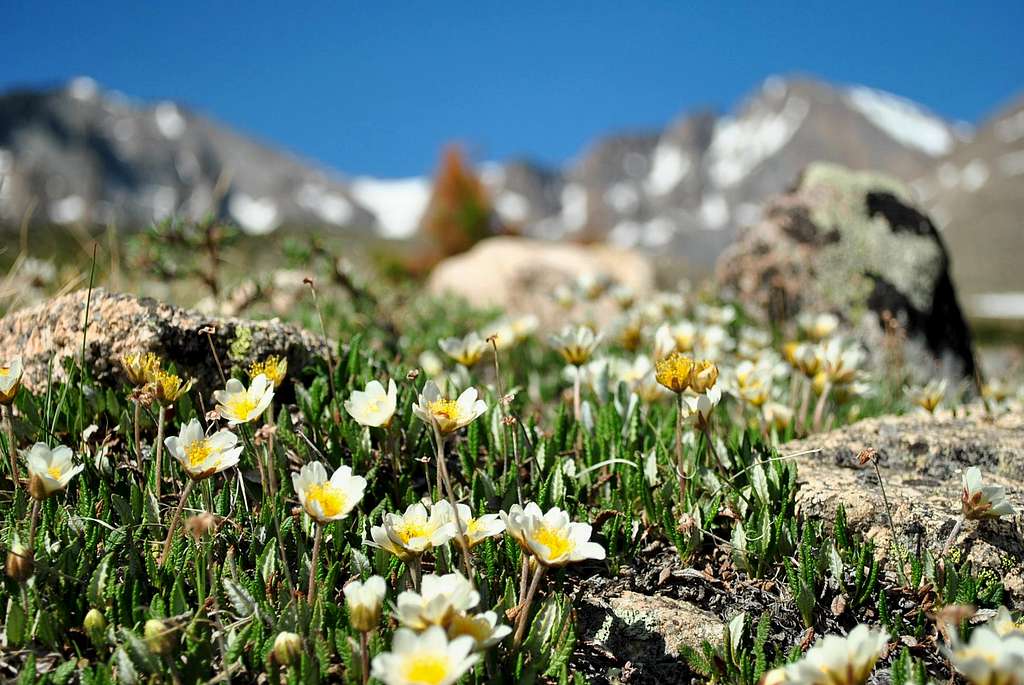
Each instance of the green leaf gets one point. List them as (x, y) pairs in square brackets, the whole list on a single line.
[(127, 674), (240, 598), (16, 623), (96, 592)]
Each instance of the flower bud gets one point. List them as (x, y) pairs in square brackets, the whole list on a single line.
[(364, 601), (159, 636), (287, 648), (20, 565), (95, 624)]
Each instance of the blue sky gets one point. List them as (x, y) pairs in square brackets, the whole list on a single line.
[(378, 87)]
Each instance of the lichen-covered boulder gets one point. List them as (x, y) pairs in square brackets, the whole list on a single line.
[(852, 243), (48, 334), (921, 459)]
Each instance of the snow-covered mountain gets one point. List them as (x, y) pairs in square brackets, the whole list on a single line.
[(79, 153)]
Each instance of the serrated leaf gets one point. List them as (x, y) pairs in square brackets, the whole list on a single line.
[(835, 564), (16, 623), (240, 599), (760, 482), (96, 591), (138, 652), (126, 671)]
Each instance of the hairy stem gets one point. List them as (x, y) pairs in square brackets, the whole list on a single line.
[(161, 416), (311, 593), (174, 522), (524, 615)]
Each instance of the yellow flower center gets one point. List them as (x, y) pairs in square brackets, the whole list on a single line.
[(53, 472), (240, 406), (407, 530), (444, 409), (5, 371), (330, 498), (373, 407), (556, 540), (198, 452), (271, 367), (425, 669)]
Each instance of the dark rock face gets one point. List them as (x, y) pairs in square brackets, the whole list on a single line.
[(851, 243), (119, 324)]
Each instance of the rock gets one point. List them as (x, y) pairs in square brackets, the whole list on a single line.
[(853, 244), (122, 324), (920, 459), (645, 632), (520, 274)]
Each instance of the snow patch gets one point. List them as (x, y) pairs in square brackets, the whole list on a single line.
[(902, 120), (622, 197), (67, 210), (169, 120), (255, 215), (774, 87), (83, 88), (714, 212), (949, 175), (574, 207), (329, 207), (397, 204), (670, 166), (739, 145), (1011, 129), (512, 207), (1012, 163)]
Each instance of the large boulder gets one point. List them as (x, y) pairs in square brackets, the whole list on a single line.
[(48, 334), (921, 459), (521, 274), (852, 243)]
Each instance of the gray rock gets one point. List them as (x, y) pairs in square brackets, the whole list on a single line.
[(921, 459), (47, 334), (853, 244)]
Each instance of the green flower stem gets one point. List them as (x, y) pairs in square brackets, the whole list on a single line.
[(311, 593), (161, 416)]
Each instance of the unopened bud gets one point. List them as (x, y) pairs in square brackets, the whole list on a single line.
[(287, 648), (200, 524), (159, 637), (95, 622), (20, 565)]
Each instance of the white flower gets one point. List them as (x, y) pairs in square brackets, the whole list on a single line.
[(551, 537), (10, 380), (576, 344), (203, 456), (632, 372), (328, 500), (777, 415), (836, 660), (983, 501), (428, 658), (431, 364), (698, 408), (50, 470), (479, 528), (989, 658), (524, 326), (664, 342), (439, 598), (364, 602), (412, 533), (1004, 624), (930, 396), (503, 331), (684, 335), (483, 628), (373, 407), (238, 404), (449, 415), (841, 364), (466, 351), (817, 326)]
